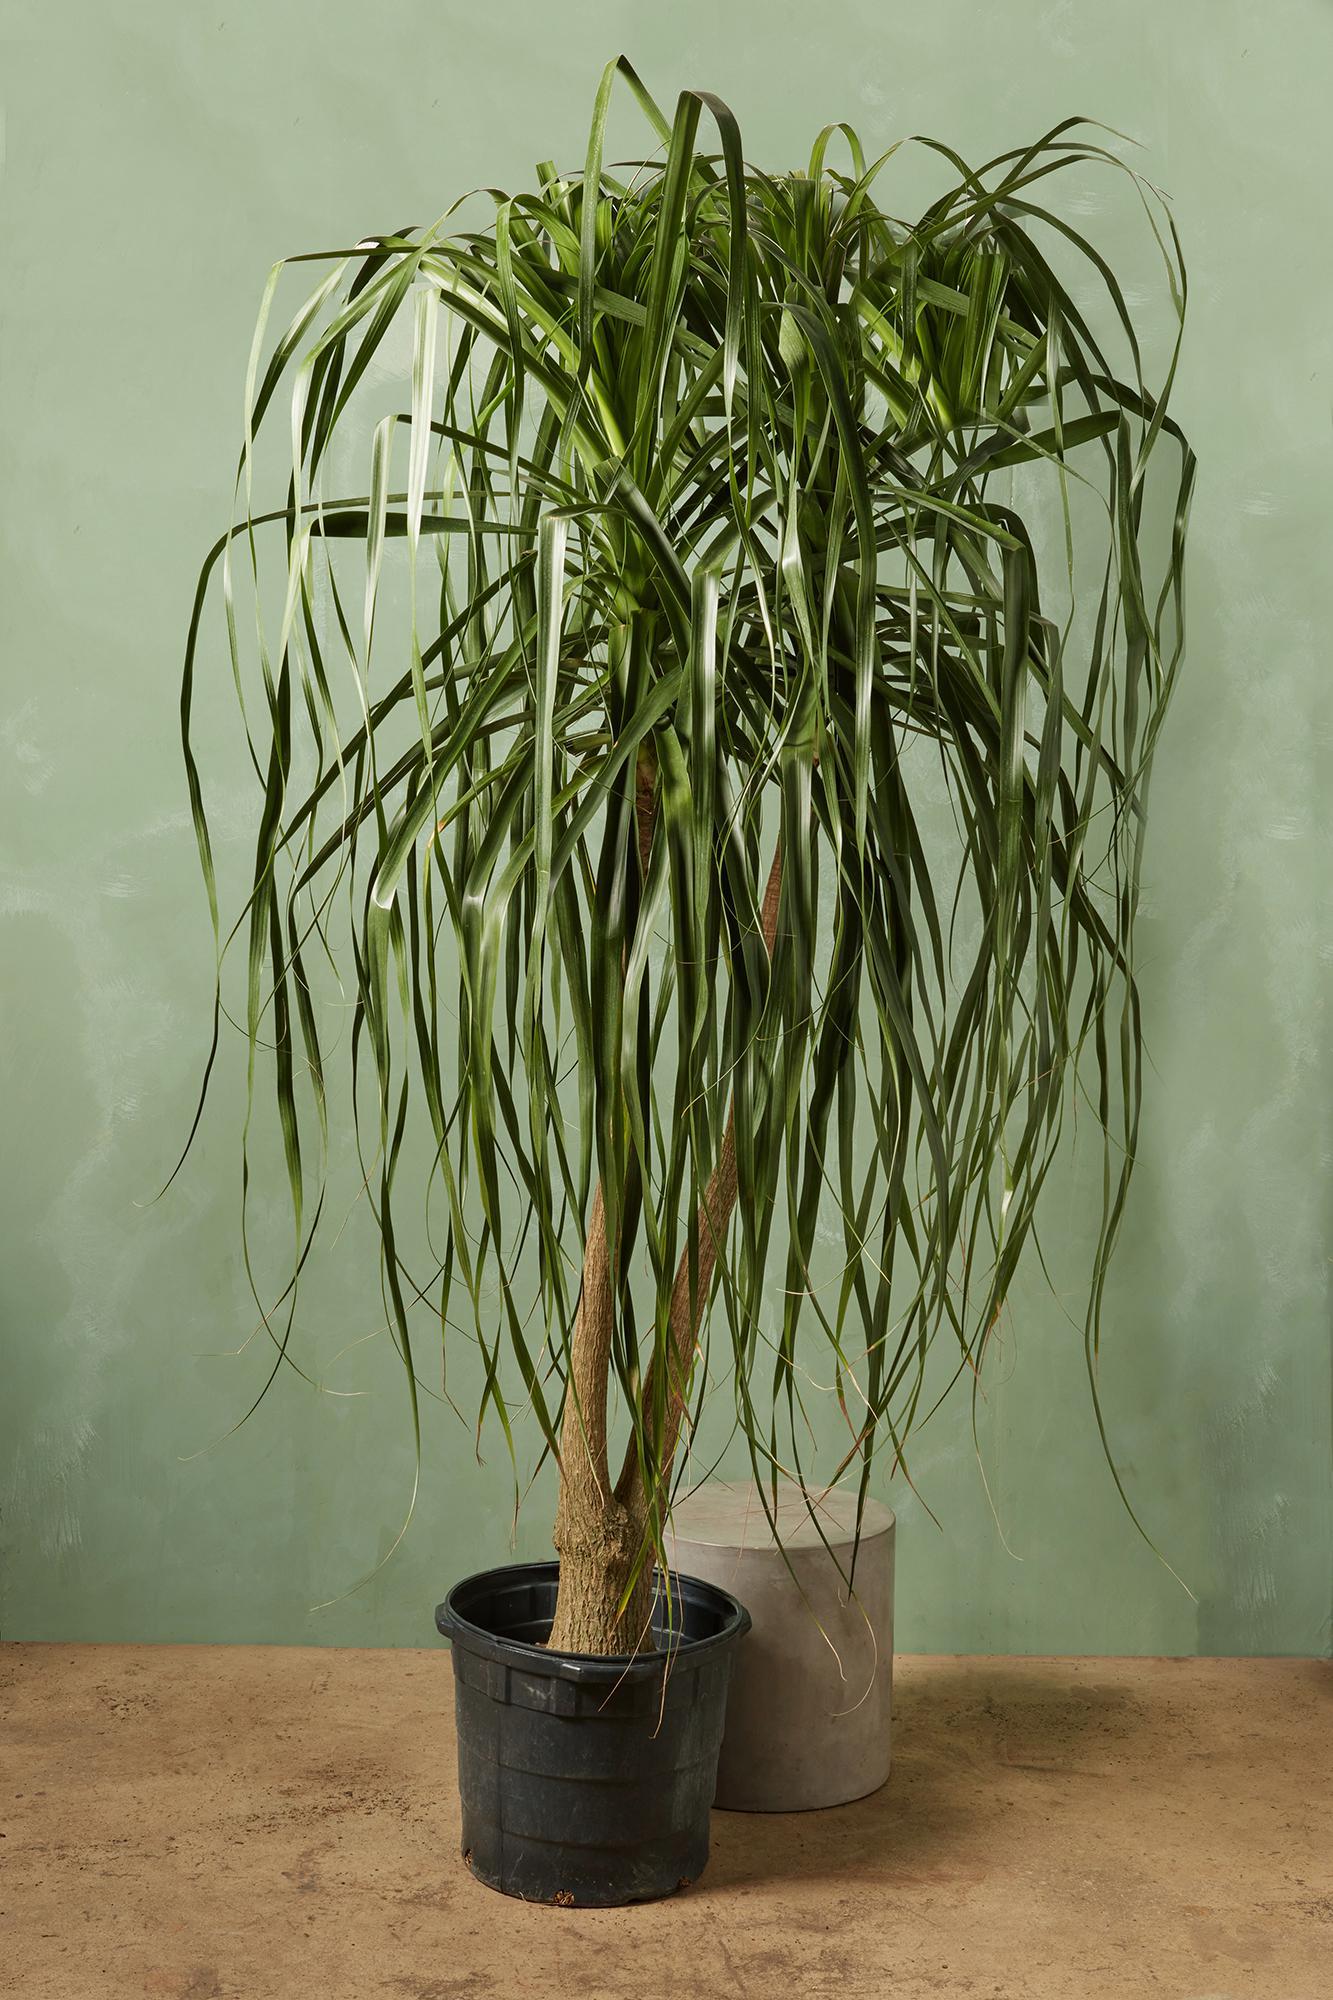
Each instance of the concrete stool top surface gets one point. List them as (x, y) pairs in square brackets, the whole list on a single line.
[(730, 1514)]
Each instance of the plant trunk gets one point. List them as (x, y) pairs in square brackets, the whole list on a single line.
[(600, 1530), (597, 1549), (596, 1537)]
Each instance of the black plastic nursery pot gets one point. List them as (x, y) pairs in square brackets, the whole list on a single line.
[(583, 1780)]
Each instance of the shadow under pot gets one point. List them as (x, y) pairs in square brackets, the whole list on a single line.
[(584, 1780)]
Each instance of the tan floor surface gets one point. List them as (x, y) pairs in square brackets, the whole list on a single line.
[(255, 1821)]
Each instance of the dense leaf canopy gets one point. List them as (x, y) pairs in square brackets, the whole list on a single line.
[(704, 488)]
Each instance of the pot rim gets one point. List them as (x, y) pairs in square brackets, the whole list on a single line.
[(477, 1639)]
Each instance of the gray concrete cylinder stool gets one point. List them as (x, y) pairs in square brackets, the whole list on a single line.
[(808, 1716)]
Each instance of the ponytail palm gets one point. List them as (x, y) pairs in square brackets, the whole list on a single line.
[(730, 847)]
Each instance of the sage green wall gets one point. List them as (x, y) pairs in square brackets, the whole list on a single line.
[(160, 156)]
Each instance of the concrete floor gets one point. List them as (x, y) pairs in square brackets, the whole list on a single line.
[(208, 1821)]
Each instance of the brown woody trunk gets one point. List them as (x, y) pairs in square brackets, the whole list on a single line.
[(594, 1536), (600, 1531)]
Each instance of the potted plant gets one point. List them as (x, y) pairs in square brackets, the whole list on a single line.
[(725, 826)]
